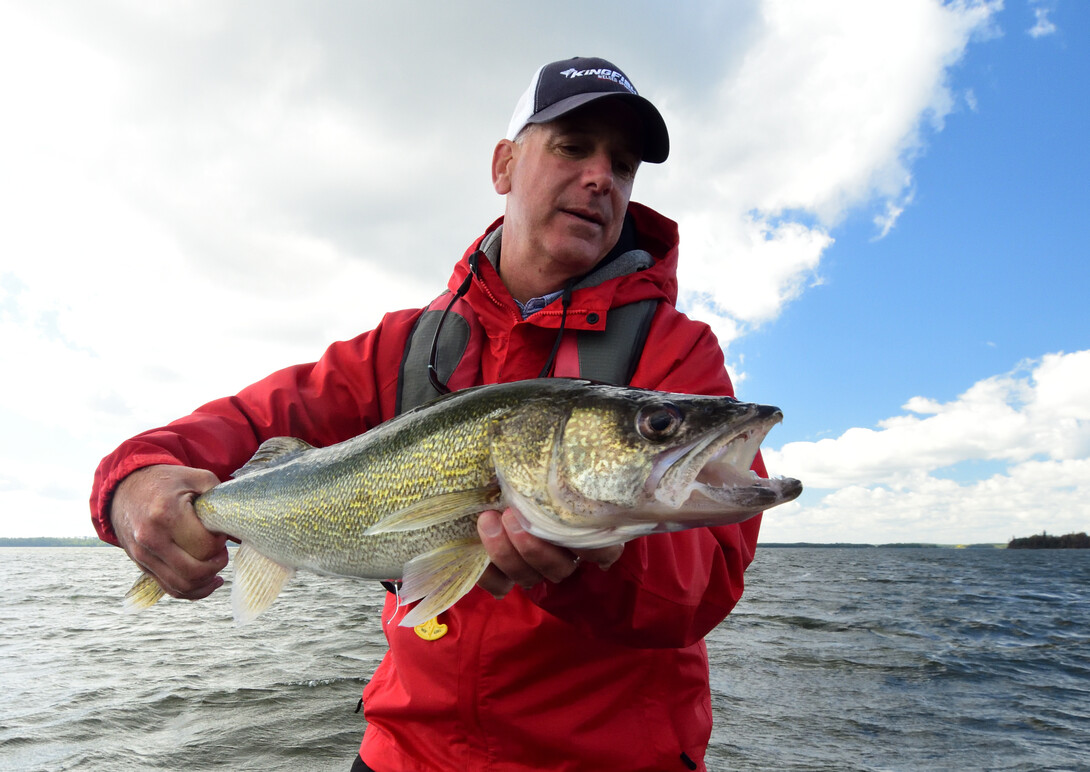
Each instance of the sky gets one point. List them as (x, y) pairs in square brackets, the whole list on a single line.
[(881, 208)]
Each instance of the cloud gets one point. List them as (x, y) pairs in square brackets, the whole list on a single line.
[(1032, 423), (300, 144), (1028, 498), (822, 115), (1042, 26)]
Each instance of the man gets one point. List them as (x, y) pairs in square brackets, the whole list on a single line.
[(560, 659)]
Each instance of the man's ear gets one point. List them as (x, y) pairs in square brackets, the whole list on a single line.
[(502, 158)]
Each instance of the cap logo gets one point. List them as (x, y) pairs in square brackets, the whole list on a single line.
[(602, 74)]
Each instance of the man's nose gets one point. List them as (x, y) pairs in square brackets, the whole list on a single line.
[(598, 171)]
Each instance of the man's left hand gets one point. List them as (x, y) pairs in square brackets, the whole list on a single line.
[(521, 558)]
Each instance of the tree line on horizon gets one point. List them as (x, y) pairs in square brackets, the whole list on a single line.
[(52, 541), (1078, 541)]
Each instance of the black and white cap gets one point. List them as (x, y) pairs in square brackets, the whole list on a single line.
[(560, 87)]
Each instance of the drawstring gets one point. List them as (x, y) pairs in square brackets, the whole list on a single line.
[(433, 373), (566, 301)]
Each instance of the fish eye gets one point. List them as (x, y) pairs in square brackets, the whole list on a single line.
[(659, 422)]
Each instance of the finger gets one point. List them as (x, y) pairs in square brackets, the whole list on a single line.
[(603, 557), (191, 536), (490, 530), (193, 559), (545, 559), (180, 575), (189, 590), (505, 556), (184, 576), (201, 554), (495, 582)]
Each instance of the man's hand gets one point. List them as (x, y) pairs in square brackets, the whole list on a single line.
[(520, 558), (152, 514)]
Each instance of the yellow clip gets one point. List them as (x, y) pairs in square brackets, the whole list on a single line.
[(431, 630)]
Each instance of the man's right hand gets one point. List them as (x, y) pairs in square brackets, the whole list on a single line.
[(153, 516)]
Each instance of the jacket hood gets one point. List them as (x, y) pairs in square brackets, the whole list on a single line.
[(599, 290)]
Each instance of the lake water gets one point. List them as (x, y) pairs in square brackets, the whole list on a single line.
[(836, 659)]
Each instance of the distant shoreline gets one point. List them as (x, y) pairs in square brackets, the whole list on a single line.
[(898, 545), (53, 541), (1043, 541)]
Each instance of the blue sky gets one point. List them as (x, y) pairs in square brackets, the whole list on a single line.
[(881, 205)]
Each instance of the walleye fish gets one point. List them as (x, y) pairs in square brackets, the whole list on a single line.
[(585, 465)]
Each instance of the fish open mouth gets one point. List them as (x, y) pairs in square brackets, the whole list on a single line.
[(710, 480)]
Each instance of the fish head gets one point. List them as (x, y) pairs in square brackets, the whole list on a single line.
[(621, 462)]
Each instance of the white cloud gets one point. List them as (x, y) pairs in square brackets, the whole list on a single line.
[(1026, 499), (823, 114), (1034, 423), (1042, 26), (779, 259)]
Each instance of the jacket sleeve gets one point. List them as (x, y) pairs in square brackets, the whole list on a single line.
[(667, 590), (349, 390)]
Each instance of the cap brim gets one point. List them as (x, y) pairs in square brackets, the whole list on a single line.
[(656, 139)]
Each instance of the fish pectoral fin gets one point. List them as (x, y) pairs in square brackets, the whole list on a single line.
[(439, 578), (272, 452), (434, 510), (145, 592), (258, 580)]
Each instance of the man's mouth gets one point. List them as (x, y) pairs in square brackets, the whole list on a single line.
[(586, 215)]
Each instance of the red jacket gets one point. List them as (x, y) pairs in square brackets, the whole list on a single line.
[(604, 671)]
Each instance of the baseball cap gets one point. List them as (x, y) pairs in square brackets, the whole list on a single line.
[(560, 87)]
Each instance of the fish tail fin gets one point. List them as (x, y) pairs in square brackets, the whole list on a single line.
[(144, 593), (257, 582), (439, 578)]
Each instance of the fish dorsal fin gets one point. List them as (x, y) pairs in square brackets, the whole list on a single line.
[(439, 578), (144, 593), (273, 452), (258, 580), (435, 510)]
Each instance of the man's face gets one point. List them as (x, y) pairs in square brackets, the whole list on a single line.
[(568, 183)]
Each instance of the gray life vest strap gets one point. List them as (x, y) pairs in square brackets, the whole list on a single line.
[(611, 355), (413, 385)]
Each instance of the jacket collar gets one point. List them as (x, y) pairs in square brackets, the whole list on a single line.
[(624, 276)]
